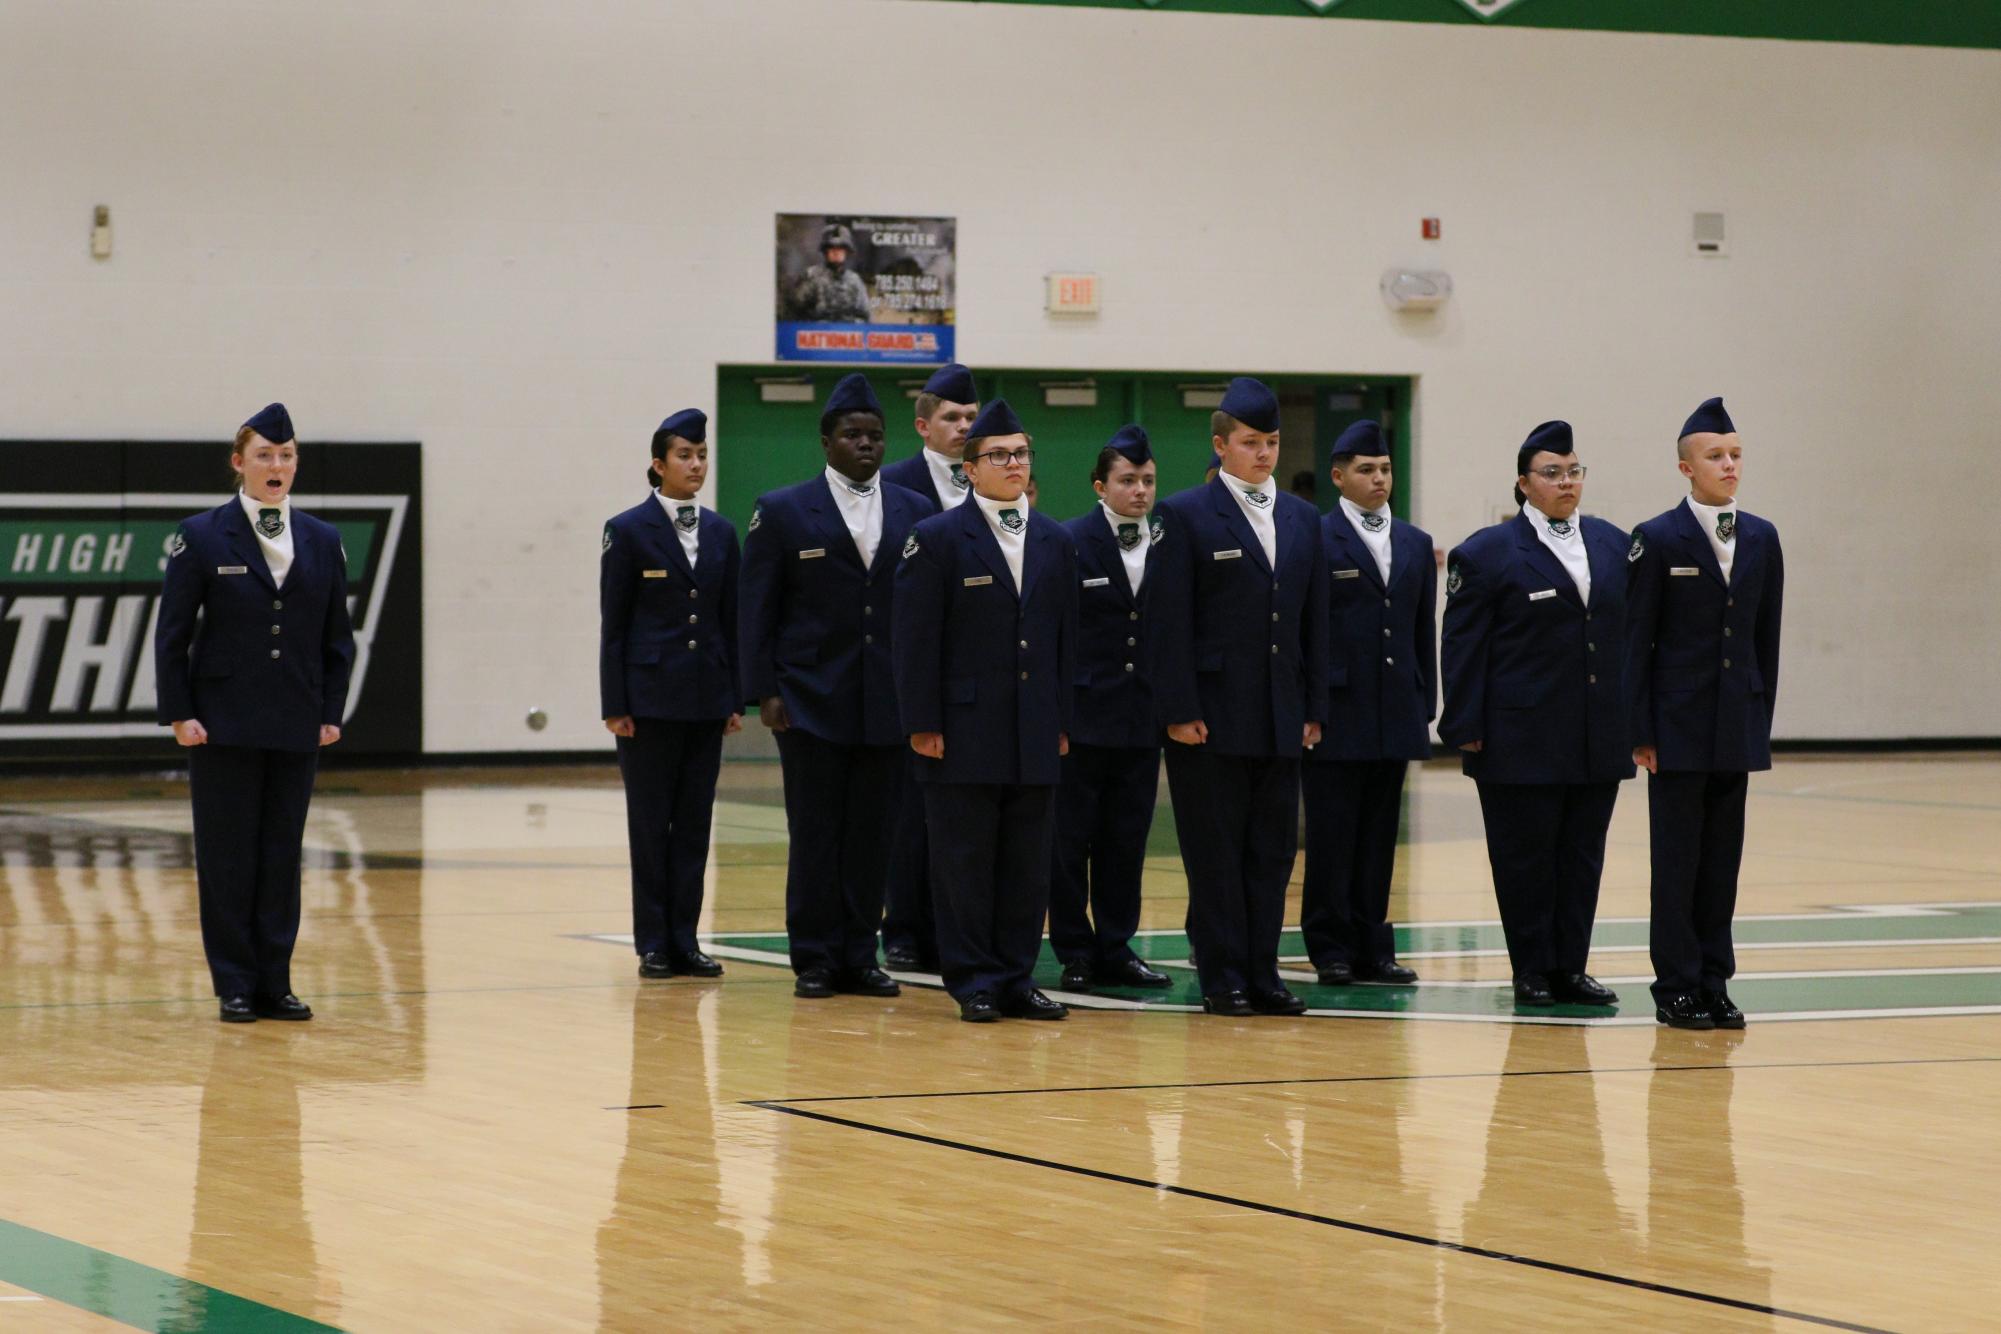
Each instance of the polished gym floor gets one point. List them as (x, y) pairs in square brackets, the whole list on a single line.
[(493, 1124)]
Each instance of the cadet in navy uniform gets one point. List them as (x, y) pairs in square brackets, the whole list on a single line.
[(818, 584), (252, 654), (1702, 668), (1535, 627), (946, 407), (667, 685), (1383, 693), (1112, 774), (986, 653), (1239, 613)]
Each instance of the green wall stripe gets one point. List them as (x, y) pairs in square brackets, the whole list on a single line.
[(134, 1294), (1964, 23)]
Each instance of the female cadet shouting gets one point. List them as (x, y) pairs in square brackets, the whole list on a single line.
[(252, 656), (667, 683)]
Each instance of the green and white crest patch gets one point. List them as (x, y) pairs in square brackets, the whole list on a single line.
[(910, 546), (756, 517), (607, 539), (1156, 530), (1639, 548), (176, 544), (1455, 579)]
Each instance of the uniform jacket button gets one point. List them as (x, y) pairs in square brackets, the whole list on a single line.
[(691, 643), (1024, 676), (278, 605), (1129, 666), (274, 652)]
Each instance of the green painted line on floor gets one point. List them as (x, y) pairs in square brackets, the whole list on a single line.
[(132, 1293)]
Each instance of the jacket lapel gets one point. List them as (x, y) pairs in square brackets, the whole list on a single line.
[(973, 522), (1354, 551), (1545, 562), (666, 537), (831, 527), (1105, 553), (1697, 541), (243, 544), (1240, 527)]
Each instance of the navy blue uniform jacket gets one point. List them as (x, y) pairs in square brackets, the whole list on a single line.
[(914, 475), (265, 666), (990, 669), (1238, 645), (1383, 645), (1114, 690), (816, 625), (1529, 670), (667, 634), (1703, 661)]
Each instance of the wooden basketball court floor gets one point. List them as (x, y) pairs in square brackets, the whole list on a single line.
[(494, 1125)]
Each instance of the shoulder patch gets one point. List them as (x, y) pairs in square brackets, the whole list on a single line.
[(176, 544), (1156, 530), (756, 517), (606, 546), (1455, 579), (910, 546), (1639, 547)]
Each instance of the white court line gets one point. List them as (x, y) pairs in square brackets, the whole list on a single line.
[(1302, 975)]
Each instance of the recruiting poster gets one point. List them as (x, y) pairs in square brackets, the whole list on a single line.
[(865, 288), (84, 533)]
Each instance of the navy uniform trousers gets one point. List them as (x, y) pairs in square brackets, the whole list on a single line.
[(670, 769), (1238, 819), (839, 807), (990, 862), (250, 819), (1354, 809), (1106, 811), (1695, 825), (1546, 845)]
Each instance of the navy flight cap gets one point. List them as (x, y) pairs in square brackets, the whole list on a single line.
[(691, 424), (1709, 419), (953, 383), (273, 423), (997, 418), (1364, 437), (1130, 443), (852, 393), (1252, 403)]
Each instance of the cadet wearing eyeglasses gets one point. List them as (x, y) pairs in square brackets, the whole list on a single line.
[(1535, 627)]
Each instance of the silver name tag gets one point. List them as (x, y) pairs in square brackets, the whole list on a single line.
[(1232, 554), (978, 580), (1546, 593), (232, 569), (1096, 583), (1347, 574), (812, 553), (653, 574), (1684, 570)]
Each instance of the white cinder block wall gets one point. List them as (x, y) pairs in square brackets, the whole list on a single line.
[(522, 233)]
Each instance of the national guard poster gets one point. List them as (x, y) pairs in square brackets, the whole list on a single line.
[(865, 288)]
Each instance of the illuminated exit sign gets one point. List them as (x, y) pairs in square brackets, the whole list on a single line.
[(1072, 294)]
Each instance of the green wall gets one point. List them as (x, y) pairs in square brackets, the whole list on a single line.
[(761, 446), (1974, 23)]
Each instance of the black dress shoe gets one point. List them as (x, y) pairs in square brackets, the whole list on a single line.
[(697, 964), (236, 1010), (1532, 991), (1684, 1011), (1132, 973), (1722, 1010), (655, 964), (1581, 989), (1386, 973), (1233, 1003), (870, 982), (1340, 973), (978, 1008), (286, 1006), (1077, 976), (814, 984), (1276, 1002), (1032, 1004), (901, 956)]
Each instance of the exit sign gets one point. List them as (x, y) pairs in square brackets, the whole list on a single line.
[(1072, 294)]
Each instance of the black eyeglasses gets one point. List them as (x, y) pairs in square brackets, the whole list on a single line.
[(1003, 457)]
